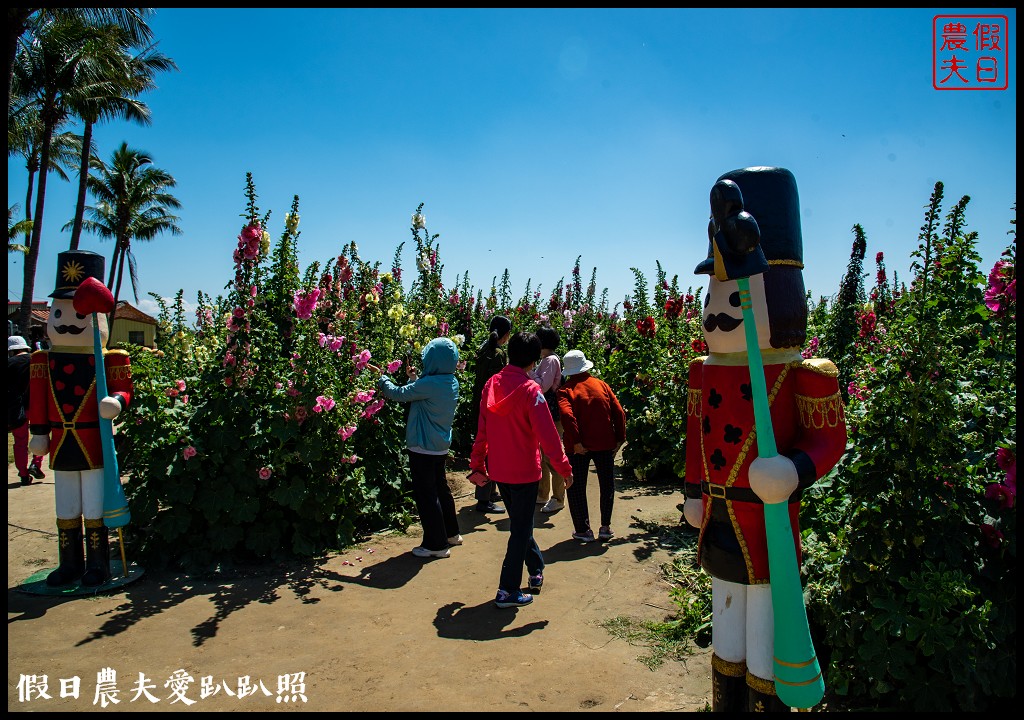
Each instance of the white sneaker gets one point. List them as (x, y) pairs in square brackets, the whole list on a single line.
[(552, 505), (455, 540), (424, 553)]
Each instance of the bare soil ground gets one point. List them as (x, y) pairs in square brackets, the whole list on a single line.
[(372, 628)]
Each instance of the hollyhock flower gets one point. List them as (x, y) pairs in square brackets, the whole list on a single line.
[(997, 293), (361, 359), (350, 459), (305, 303), (171, 392), (1007, 460), (189, 452), (184, 399), (423, 262), (181, 385), (373, 408), (291, 221), (228, 381), (418, 221), (301, 414), (394, 365), (336, 343), (429, 320), (397, 272), (443, 328), (265, 473), (321, 339), (364, 396), (323, 404), (346, 432), (459, 339), (460, 365), (1001, 494), (992, 536), (812, 347)]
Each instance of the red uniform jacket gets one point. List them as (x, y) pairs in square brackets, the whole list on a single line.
[(63, 404), (810, 429)]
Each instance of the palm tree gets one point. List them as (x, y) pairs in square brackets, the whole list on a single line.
[(132, 204), (15, 228), (20, 20), (114, 97), (60, 59)]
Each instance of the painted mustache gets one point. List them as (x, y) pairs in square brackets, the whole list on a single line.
[(72, 329), (721, 321)]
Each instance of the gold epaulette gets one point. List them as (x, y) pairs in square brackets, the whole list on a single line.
[(821, 366), (117, 351), (698, 360)]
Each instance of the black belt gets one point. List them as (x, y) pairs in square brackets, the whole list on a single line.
[(738, 494), (82, 425)]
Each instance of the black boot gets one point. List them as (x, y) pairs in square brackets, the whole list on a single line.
[(761, 696), (69, 550), (728, 685), (97, 554)]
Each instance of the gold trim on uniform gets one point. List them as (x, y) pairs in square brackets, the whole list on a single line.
[(94, 523), (120, 372), (693, 402), (732, 669), (820, 366), (765, 687), (790, 263), (817, 413), (72, 524), (38, 370)]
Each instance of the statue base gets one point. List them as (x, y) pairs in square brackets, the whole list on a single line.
[(36, 583)]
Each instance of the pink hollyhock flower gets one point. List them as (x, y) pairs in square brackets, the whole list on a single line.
[(364, 396), (301, 413), (443, 328), (460, 365), (394, 365), (228, 381), (265, 473), (322, 339), (324, 404), (346, 432), (184, 399), (171, 392), (189, 452), (305, 303), (181, 385), (336, 343), (252, 291), (361, 359), (373, 408), (1001, 494)]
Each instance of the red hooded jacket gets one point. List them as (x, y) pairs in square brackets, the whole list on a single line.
[(514, 425)]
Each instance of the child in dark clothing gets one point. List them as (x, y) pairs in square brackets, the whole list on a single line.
[(490, 359)]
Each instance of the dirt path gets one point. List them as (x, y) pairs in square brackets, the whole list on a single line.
[(373, 628)]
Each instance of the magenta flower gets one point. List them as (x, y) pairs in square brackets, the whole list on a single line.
[(305, 303), (265, 473), (323, 404), (394, 365), (189, 452), (992, 536), (373, 408), (350, 459), (181, 385), (361, 359), (1001, 494), (346, 432), (301, 413), (1007, 460), (363, 396)]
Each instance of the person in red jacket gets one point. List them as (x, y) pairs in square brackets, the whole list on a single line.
[(593, 428), (514, 426)]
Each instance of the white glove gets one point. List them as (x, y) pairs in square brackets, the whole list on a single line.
[(39, 444), (110, 408), (693, 511), (773, 479)]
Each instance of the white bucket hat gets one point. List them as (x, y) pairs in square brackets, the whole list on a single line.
[(575, 362), (16, 342)]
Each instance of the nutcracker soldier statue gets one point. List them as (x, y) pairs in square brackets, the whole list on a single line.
[(65, 416), (763, 424)]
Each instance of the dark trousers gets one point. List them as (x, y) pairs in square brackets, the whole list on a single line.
[(520, 501), (604, 465), (434, 501)]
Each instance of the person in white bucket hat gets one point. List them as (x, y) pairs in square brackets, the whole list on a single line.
[(593, 428)]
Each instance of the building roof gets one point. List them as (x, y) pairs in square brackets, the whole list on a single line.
[(127, 311)]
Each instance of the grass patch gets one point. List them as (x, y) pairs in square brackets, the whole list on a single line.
[(690, 624)]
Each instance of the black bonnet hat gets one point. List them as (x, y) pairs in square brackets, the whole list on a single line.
[(74, 266), (770, 196)]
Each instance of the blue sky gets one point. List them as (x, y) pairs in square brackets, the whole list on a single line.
[(534, 136)]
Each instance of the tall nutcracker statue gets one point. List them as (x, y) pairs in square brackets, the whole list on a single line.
[(763, 424), (76, 389)]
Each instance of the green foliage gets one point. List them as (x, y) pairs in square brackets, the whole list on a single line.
[(911, 557)]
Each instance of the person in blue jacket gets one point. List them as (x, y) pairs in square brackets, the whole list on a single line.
[(428, 435)]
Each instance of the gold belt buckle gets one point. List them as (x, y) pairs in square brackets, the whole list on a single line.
[(69, 425), (716, 491)]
